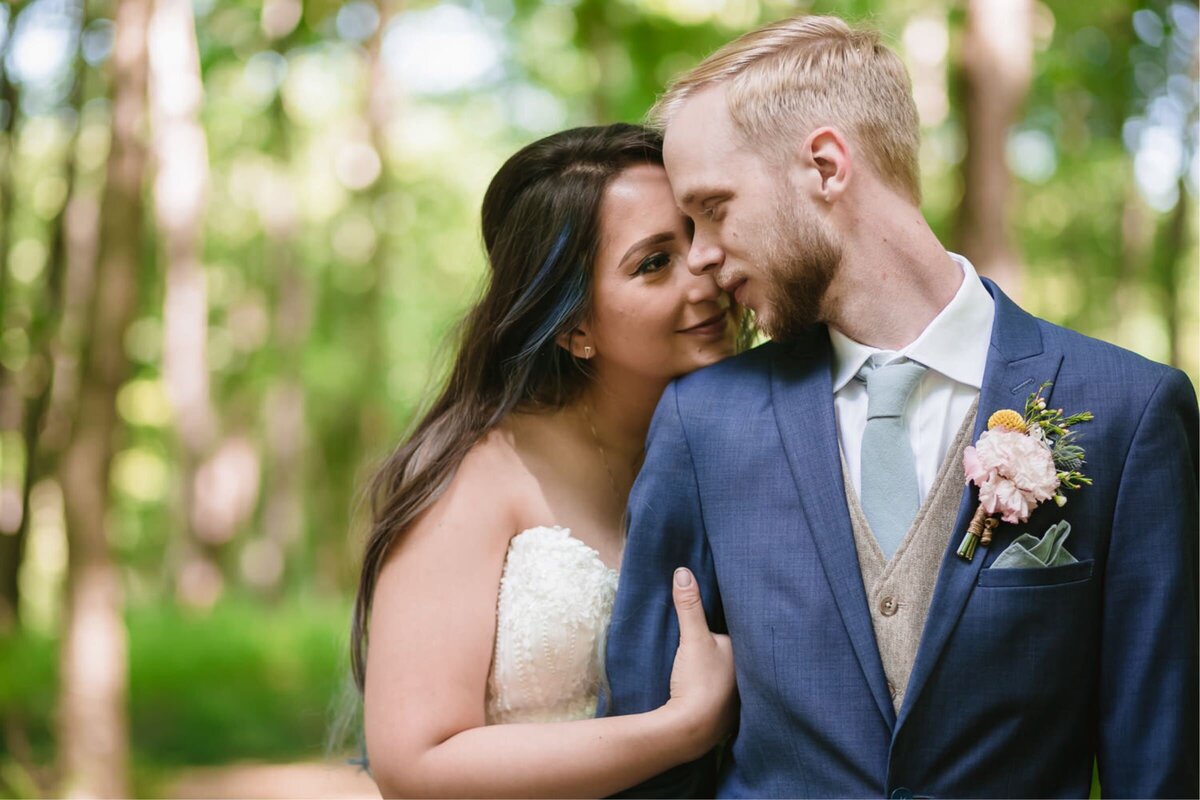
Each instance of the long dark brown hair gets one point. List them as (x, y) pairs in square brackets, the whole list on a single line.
[(541, 228)]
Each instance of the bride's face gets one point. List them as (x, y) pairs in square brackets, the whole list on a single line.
[(650, 316)]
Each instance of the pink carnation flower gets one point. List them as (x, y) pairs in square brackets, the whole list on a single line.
[(1014, 472)]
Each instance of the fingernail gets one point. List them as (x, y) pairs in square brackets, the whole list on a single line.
[(683, 578)]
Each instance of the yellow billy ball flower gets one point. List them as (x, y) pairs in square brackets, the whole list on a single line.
[(1007, 418)]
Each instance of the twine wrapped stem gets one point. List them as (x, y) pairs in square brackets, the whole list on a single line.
[(978, 532)]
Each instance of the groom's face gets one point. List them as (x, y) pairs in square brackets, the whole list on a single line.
[(754, 231)]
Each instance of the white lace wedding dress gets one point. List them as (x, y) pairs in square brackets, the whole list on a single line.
[(556, 597)]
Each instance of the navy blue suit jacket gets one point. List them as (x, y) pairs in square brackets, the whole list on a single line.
[(1023, 676)]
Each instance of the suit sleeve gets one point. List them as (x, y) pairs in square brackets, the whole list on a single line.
[(1149, 718), (665, 531)]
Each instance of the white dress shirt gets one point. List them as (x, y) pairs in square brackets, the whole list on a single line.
[(954, 349)]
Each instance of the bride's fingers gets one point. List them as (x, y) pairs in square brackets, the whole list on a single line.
[(689, 609)]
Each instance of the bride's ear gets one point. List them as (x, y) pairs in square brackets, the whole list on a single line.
[(577, 342)]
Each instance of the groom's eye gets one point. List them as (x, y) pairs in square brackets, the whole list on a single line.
[(710, 212)]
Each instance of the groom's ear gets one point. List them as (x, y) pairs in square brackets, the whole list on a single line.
[(826, 159)]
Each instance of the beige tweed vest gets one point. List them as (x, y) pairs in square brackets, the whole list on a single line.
[(899, 591)]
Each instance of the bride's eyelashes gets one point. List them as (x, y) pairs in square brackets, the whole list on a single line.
[(652, 263)]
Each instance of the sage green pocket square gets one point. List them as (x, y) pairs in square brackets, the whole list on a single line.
[(1029, 551)]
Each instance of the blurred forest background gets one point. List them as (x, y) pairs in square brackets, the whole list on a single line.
[(235, 236)]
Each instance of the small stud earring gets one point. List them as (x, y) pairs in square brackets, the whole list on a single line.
[(587, 351)]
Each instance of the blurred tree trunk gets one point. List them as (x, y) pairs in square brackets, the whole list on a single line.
[(595, 37), (381, 109), (12, 535), (35, 383), (1167, 272), (10, 96), (284, 416), (1135, 237), (92, 726), (180, 190), (996, 69), (81, 233), (283, 407)]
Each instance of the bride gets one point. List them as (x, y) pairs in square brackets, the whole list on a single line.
[(491, 567)]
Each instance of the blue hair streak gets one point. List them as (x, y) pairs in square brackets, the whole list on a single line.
[(570, 295)]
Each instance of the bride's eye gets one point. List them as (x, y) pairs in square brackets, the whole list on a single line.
[(653, 263)]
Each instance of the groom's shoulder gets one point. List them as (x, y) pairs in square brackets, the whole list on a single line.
[(1107, 367), (744, 375), (1088, 353)]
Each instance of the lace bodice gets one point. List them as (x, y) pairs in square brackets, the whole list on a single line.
[(555, 600)]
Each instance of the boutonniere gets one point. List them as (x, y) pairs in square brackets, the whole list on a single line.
[(1019, 462)]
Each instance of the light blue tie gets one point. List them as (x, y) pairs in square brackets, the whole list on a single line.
[(890, 496)]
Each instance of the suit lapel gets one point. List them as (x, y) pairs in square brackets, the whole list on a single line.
[(1017, 364), (802, 398)]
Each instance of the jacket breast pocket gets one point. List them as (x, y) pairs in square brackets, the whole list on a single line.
[(1032, 636), (1037, 576)]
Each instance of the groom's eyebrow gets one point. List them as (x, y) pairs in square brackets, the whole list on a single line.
[(649, 241), (706, 192)]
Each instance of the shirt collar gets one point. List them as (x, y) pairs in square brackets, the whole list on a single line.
[(955, 343)]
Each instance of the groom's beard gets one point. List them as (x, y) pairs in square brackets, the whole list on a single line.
[(801, 259)]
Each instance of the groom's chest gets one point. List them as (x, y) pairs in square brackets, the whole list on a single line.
[(766, 560), (783, 544)]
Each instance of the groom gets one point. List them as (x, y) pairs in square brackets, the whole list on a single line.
[(815, 485)]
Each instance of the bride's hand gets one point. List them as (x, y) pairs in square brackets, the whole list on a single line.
[(703, 693)]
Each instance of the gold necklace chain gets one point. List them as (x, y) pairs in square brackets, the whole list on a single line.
[(589, 416)]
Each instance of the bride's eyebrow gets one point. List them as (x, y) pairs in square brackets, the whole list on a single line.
[(649, 241)]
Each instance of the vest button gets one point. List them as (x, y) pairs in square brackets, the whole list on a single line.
[(902, 794), (888, 606)]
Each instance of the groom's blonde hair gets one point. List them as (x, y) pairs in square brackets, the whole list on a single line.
[(790, 77)]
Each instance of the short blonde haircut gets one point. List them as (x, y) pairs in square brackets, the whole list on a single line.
[(790, 77)]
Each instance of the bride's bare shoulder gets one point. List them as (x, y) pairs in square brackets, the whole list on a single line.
[(493, 466), (493, 493), (513, 462), (494, 475)]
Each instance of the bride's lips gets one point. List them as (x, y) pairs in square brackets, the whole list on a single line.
[(713, 326)]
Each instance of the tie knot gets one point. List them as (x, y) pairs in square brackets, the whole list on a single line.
[(889, 386)]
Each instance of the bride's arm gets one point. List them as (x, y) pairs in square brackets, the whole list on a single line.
[(431, 640)]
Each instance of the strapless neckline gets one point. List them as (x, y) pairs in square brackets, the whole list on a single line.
[(574, 541)]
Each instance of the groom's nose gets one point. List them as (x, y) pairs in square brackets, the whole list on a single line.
[(702, 288), (704, 255)]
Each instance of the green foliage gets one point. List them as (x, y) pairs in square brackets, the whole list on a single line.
[(242, 682), (344, 291)]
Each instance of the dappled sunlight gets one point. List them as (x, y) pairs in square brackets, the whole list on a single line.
[(357, 165), (443, 49), (304, 238), (141, 474), (280, 17), (926, 45), (144, 402), (226, 490), (45, 565), (737, 15)]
